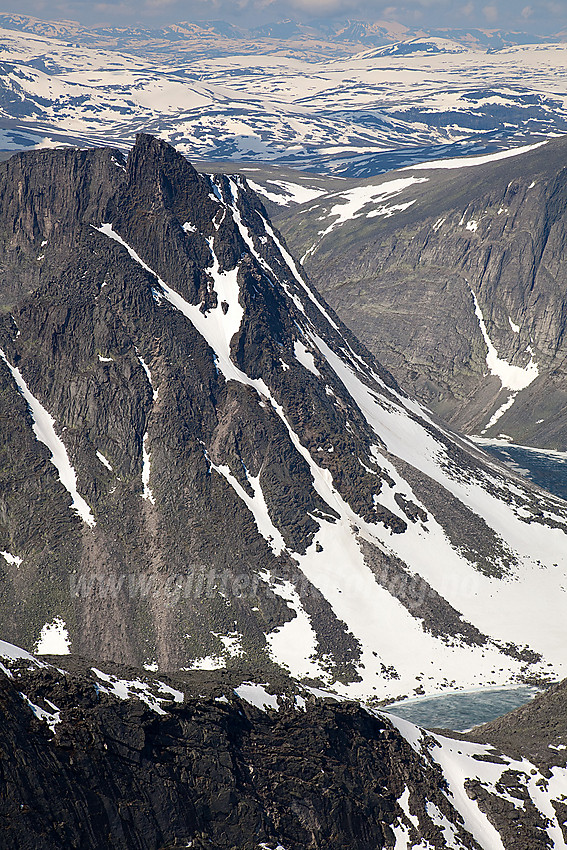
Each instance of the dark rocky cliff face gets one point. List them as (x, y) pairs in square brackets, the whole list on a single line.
[(244, 483), (404, 285), (218, 773), (97, 755)]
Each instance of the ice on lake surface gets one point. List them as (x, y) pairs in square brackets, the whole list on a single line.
[(547, 469), (461, 711)]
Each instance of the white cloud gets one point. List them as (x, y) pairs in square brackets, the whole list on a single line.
[(391, 13), (490, 13), (114, 9), (527, 12), (154, 5), (555, 8), (322, 7)]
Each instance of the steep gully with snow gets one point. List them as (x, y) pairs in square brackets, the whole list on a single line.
[(203, 468)]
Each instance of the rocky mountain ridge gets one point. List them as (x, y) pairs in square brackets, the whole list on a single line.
[(131, 760), (202, 466)]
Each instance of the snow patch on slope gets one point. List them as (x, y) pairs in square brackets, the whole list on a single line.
[(104, 460), (44, 430), (468, 161), (292, 265), (13, 560), (293, 193), (305, 357), (214, 326), (135, 688), (388, 210), (52, 718), (294, 645), (461, 761), (232, 644), (498, 414), (354, 200), (146, 368), (257, 695), (515, 378), (147, 493), (54, 639), (15, 653), (256, 504)]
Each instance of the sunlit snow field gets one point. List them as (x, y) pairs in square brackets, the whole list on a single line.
[(355, 115)]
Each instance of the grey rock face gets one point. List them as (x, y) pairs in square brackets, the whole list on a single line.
[(404, 285)]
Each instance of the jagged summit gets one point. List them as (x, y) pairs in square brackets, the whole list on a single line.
[(201, 464)]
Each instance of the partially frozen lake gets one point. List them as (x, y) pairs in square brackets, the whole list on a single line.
[(461, 711), (544, 467)]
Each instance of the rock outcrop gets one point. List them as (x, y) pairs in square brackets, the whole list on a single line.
[(94, 755)]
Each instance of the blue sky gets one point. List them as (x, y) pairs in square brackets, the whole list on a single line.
[(534, 16)]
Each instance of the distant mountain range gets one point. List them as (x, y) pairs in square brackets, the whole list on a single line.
[(348, 32), (330, 107)]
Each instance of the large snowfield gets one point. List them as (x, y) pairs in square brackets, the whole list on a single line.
[(356, 115)]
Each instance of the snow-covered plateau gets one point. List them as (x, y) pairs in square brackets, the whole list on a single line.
[(354, 115)]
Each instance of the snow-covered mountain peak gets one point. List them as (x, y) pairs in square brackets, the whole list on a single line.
[(418, 46)]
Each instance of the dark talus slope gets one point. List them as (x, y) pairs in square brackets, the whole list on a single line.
[(538, 729), (97, 755), (404, 275), (200, 463)]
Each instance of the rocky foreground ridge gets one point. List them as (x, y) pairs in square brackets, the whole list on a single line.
[(200, 464), (96, 755)]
